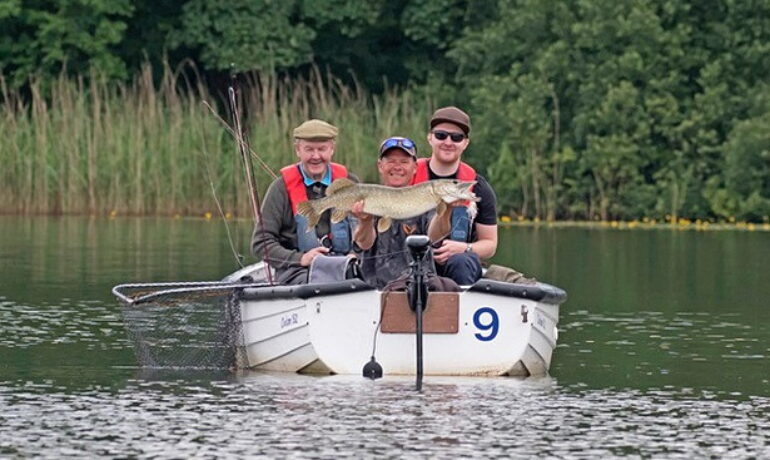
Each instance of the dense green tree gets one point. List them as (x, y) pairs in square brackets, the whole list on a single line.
[(45, 36), (645, 94), (581, 108)]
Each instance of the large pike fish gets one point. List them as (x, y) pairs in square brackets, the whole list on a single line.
[(387, 202)]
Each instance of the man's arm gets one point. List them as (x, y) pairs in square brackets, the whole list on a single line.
[(486, 243), (440, 225), (486, 220), (276, 222), (364, 234), (485, 227)]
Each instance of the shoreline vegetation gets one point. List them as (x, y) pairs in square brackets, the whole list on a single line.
[(89, 146), (159, 146), (589, 110), (503, 221)]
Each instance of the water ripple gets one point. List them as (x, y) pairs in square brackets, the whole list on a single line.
[(281, 416)]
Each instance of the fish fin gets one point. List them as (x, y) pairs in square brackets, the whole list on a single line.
[(339, 184), (306, 210), (473, 210), (441, 209), (338, 215), (383, 224)]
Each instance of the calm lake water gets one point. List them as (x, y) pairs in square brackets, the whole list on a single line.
[(664, 351)]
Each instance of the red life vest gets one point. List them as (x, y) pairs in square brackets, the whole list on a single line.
[(460, 223), (464, 172), (295, 182), (340, 235)]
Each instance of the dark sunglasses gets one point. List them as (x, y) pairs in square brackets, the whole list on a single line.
[(401, 142), (441, 135)]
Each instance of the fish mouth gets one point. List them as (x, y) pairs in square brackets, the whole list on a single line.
[(460, 190)]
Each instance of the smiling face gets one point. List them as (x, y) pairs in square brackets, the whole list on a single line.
[(447, 151), (397, 168), (314, 156)]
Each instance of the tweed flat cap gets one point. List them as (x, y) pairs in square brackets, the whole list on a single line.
[(315, 130)]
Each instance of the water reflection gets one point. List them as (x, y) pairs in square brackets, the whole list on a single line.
[(663, 352), (277, 416)]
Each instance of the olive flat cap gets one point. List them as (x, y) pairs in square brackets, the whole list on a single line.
[(315, 130), (453, 115)]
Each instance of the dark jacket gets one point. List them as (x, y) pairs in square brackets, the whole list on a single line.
[(280, 233)]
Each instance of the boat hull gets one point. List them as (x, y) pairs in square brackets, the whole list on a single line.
[(503, 330)]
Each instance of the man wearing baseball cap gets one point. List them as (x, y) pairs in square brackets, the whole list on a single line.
[(383, 256), (466, 240), (284, 235)]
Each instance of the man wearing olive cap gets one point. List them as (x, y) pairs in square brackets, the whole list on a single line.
[(290, 245)]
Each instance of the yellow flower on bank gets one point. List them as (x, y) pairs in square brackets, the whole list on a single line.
[(113, 213), (207, 216), (502, 218)]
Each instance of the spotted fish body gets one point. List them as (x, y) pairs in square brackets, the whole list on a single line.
[(386, 202)]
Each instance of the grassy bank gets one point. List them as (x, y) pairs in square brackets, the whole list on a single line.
[(649, 224), (156, 148)]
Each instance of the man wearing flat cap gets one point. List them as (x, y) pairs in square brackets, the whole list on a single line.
[(284, 235), (467, 237)]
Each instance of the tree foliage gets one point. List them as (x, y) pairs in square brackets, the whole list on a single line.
[(648, 94), (44, 37), (581, 108)]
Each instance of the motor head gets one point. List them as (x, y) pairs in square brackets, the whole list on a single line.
[(418, 244)]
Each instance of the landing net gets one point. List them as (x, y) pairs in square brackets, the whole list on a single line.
[(184, 325)]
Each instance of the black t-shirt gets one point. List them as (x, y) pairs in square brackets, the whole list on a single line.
[(487, 206), (388, 259)]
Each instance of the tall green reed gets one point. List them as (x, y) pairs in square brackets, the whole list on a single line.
[(88, 146)]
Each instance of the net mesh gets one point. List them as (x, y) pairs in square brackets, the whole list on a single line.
[(185, 328)]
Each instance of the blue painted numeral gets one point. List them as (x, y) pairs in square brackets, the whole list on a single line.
[(492, 325)]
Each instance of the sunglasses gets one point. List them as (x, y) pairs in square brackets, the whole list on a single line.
[(402, 142), (441, 135)]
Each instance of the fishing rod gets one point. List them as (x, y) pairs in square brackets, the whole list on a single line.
[(251, 180)]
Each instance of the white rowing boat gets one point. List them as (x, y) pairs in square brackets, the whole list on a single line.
[(490, 328)]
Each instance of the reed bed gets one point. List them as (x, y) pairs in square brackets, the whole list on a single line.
[(87, 146)]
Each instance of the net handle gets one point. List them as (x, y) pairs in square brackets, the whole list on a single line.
[(119, 291)]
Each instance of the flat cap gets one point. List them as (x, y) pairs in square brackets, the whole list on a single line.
[(315, 130), (453, 115)]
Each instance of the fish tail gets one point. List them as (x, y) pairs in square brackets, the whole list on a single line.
[(306, 210)]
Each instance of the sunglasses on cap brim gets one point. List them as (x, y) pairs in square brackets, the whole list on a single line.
[(402, 142)]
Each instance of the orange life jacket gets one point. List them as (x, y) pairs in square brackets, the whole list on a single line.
[(460, 222), (340, 235)]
